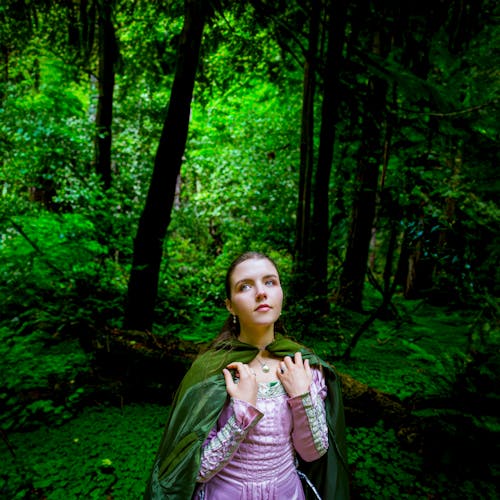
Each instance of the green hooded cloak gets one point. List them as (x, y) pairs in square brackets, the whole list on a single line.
[(197, 404)]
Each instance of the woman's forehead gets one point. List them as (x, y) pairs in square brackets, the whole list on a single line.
[(252, 269)]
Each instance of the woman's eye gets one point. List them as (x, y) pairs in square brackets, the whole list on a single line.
[(244, 286), (270, 282)]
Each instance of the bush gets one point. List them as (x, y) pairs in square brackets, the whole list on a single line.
[(52, 273), (40, 379)]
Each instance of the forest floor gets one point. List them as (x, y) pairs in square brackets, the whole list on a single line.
[(107, 450)]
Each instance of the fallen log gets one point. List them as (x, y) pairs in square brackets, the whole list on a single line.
[(151, 366)]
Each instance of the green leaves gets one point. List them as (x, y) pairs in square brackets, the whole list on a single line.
[(106, 451), (383, 470), (37, 381), (52, 270)]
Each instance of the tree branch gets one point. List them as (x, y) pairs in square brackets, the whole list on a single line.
[(38, 250), (451, 114)]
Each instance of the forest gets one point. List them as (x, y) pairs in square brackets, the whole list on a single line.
[(145, 144)]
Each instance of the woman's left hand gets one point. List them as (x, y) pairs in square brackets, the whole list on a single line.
[(295, 375)]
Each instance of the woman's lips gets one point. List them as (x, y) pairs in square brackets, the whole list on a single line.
[(263, 307)]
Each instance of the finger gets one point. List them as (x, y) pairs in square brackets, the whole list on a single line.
[(282, 367), (298, 359), (236, 365), (247, 370), (243, 369), (287, 361), (228, 377), (307, 367)]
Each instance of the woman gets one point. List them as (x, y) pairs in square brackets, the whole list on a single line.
[(257, 416)]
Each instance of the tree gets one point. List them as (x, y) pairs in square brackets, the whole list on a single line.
[(336, 17), (302, 255), (312, 233), (450, 58), (353, 273), (156, 216), (405, 55), (108, 54)]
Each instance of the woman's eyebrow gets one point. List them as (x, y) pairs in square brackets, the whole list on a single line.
[(244, 280), (275, 276), (251, 280)]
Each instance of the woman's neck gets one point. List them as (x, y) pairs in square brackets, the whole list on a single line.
[(260, 339)]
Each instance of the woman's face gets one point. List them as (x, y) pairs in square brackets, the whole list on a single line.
[(256, 293)]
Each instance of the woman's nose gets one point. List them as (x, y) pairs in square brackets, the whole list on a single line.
[(260, 293)]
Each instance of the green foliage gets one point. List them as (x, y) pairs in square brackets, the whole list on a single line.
[(250, 49), (44, 137), (382, 469), (148, 33), (240, 174), (57, 287), (229, 192), (424, 357), (106, 452), (66, 245), (39, 381), (52, 271)]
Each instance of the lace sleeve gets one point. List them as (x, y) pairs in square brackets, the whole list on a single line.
[(310, 431), (225, 438)]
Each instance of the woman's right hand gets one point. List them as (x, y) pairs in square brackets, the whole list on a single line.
[(246, 388)]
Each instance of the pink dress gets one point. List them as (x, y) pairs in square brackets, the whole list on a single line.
[(251, 452)]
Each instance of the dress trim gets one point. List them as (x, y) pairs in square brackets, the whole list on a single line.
[(270, 390)]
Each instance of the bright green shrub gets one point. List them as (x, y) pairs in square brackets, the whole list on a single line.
[(52, 271)]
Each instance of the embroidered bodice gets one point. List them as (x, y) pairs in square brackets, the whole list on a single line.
[(251, 452)]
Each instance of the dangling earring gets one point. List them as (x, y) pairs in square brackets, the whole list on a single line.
[(234, 320)]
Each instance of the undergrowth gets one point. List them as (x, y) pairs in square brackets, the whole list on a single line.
[(382, 469), (423, 357), (40, 379), (106, 452)]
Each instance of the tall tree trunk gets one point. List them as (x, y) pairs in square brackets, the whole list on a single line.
[(302, 246), (352, 278), (156, 216), (337, 12), (106, 82)]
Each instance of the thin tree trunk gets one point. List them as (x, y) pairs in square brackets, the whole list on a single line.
[(445, 240), (106, 83), (384, 196), (156, 216), (352, 278), (307, 147), (331, 99)]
